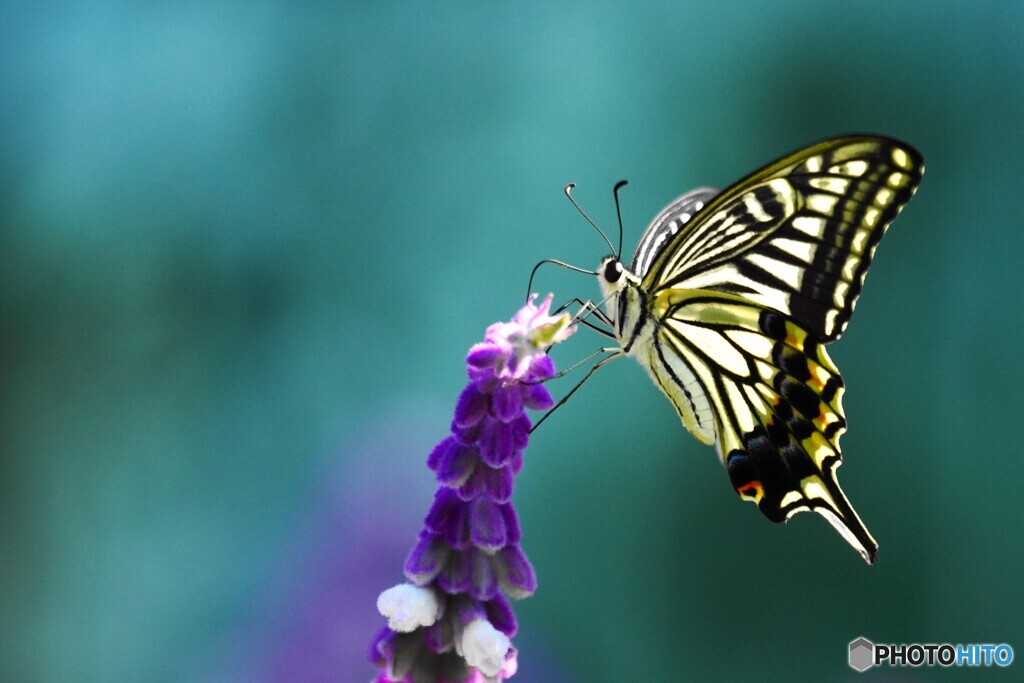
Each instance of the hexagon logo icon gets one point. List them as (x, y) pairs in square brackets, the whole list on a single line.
[(862, 654)]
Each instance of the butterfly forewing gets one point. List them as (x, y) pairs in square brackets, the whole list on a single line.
[(798, 235)]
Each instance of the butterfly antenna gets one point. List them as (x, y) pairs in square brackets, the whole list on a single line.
[(529, 286), (568, 193), (618, 186)]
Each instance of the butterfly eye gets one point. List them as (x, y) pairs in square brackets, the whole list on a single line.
[(612, 271)]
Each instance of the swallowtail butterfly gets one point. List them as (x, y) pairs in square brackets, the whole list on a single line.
[(731, 298)]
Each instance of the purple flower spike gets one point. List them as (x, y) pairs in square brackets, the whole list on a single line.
[(453, 622)]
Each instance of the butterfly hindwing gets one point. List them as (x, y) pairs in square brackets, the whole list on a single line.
[(797, 236), (772, 396)]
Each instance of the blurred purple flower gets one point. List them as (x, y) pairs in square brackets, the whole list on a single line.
[(452, 622)]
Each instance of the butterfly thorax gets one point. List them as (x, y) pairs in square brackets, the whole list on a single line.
[(625, 302), (636, 316)]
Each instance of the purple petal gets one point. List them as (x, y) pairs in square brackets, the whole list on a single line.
[(475, 485), (457, 465), (486, 382), (521, 432), (448, 516), (517, 577), (485, 582), (513, 532), (497, 442), (498, 482), (471, 406), (427, 559), (507, 403), (487, 524), (439, 637), (541, 367), (382, 647), (440, 452), (444, 511), (501, 616), (516, 463), (456, 576), (468, 436), (484, 356), (536, 397), (407, 647), (468, 610)]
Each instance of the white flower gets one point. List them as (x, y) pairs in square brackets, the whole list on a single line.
[(484, 647), (407, 607)]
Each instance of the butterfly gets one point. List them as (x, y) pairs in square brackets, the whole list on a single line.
[(732, 297)]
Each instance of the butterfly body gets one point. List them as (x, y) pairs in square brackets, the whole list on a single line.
[(731, 297)]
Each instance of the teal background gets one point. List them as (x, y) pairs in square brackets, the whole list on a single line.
[(245, 246)]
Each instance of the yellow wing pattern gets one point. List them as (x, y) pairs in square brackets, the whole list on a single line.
[(775, 402)]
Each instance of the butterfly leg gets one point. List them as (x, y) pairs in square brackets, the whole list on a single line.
[(614, 353), (589, 308), (562, 373)]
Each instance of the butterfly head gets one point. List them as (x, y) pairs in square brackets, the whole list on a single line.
[(614, 277), (611, 274)]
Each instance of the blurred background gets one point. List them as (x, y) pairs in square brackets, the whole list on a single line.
[(245, 246)]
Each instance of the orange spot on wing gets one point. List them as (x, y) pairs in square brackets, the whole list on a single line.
[(815, 381), (824, 417), (751, 491)]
